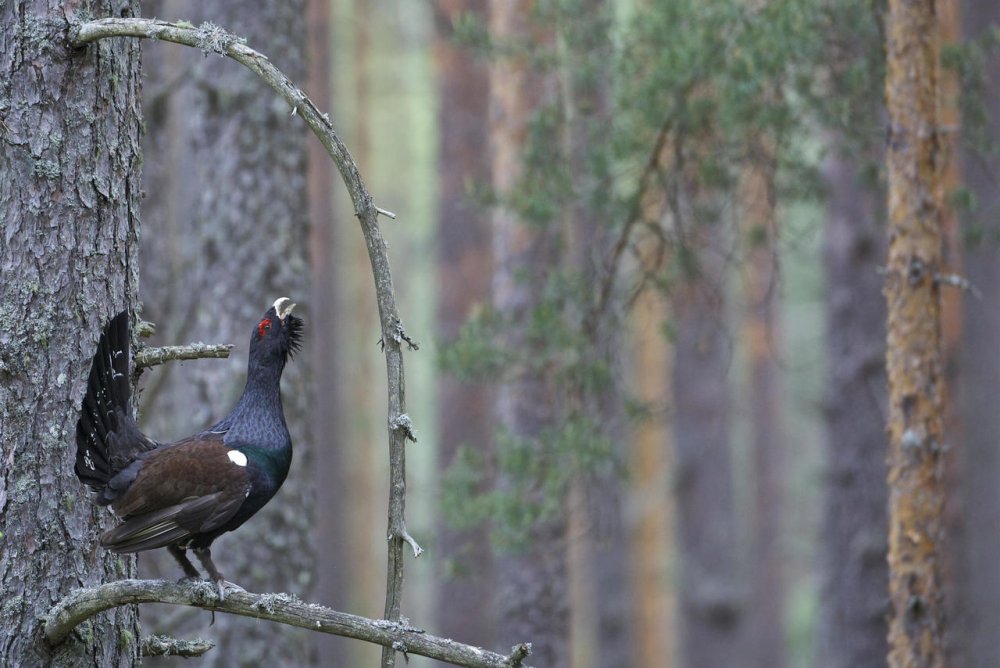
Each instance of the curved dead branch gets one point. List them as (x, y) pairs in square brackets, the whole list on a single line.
[(210, 38)]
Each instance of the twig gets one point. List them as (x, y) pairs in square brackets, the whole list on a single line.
[(960, 282), (145, 329), (167, 646), (386, 213), (412, 542), (82, 604), (148, 357), (606, 284), (212, 39)]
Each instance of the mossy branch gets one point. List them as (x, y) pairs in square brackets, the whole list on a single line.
[(148, 357), (211, 38), (82, 604), (167, 646)]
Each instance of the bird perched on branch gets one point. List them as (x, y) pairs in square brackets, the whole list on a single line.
[(186, 494)]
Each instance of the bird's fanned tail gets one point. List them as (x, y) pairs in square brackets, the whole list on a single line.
[(107, 438)]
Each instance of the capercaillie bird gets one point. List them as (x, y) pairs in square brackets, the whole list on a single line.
[(184, 495)]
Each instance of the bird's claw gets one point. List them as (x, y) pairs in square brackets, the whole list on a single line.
[(223, 585)]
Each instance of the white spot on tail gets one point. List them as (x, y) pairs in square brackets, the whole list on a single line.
[(237, 457)]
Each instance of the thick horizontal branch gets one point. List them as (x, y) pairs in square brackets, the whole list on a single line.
[(148, 357), (81, 604)]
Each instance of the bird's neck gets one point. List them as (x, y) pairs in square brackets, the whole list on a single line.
[(258, 416), (263, 384)]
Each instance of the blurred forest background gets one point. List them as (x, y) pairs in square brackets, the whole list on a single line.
[(639, 242)]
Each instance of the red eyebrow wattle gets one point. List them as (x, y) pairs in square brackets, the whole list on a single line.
[(264, 324)]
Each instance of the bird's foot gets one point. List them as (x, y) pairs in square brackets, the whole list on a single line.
[(221, 589), (233, 586), (222, 585)]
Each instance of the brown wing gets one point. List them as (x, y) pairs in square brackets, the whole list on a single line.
[(184, 489)]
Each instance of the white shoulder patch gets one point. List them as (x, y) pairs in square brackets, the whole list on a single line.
[(237, 457)]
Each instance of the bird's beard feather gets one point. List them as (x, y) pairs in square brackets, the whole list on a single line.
[(294, 326)]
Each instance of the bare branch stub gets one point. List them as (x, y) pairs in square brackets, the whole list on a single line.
[(148, 357)]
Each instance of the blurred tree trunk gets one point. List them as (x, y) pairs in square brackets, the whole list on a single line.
[(363, 401), (69, 202), (532, 590), (600, 610), (980, 372), (761, 338), (711, 600), (952, 309), (654, 604), (852, 628), (239, 244), (914, 352), (464, 559), (332, 540)]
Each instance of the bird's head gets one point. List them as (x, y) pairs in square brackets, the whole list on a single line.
[(279, 333)]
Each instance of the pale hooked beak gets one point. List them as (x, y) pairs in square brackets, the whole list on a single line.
[(283, 306)]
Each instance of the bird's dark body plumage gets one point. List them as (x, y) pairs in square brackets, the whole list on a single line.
[(186, 494)]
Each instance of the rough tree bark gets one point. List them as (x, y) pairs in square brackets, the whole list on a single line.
[(980, 375), (914, 354), (852, 627), (464, 559), (238, 243), (69, 217), (533, 588)]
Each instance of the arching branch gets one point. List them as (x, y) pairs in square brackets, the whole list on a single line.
[(81, 604), (213, 39)]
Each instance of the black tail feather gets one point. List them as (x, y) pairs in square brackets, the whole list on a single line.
[(107, 437)]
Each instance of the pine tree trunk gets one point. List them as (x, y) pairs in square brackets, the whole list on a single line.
[(532, 583), (852, 627), (585, 73), (952, 310), (711, 601), (238, 243), (466, 578), (914, 354), (69, 205), (653, 510), (365, 433), (980, 375), (761, 338)]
